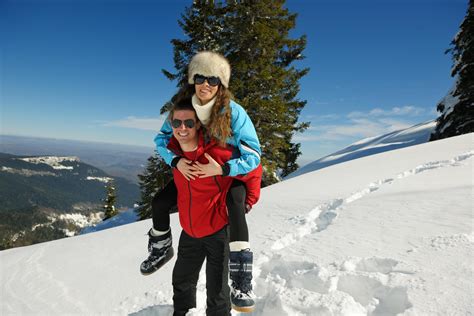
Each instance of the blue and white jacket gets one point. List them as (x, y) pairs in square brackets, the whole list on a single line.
[(244, 137)]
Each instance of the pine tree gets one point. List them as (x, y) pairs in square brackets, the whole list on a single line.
[(457, 115), (200, 23), (109, 206), (254, 36), (155, 177), (265, 82)]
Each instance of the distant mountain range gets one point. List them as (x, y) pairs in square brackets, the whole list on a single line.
[(56, 182), (39, 192), (117, 160)]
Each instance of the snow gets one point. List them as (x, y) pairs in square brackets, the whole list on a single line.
[(82, 220), (53, 161), (77, 219), (125, 217), (28, 172), (449, 101), (386, 234), (414, 135), (101, 179)]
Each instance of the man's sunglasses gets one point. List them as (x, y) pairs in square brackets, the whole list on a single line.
[(188, 123), (212, 81)]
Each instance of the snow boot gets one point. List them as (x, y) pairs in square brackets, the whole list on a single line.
[(241, 294), (160, 252)]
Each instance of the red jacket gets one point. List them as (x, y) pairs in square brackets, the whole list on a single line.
[(202, 201)]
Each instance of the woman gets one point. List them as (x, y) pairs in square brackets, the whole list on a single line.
[(227, 123)]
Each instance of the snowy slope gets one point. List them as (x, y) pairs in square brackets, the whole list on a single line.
[(414, 135), (386, 234)]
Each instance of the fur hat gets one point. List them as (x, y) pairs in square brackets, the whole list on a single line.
[(209, 64)]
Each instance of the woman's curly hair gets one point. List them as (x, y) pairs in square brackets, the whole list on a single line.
[(219, 126)]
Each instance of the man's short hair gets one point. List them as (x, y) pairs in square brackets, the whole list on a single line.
[(182, 105)]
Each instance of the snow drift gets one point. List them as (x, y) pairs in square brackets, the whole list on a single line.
[(414, 135)]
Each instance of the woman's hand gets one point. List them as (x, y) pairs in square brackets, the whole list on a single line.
[(209, 169), (187, 168)]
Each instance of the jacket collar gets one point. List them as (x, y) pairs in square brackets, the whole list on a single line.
[(203, 145)]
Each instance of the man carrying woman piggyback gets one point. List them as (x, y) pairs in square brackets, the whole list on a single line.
[(226, 123)]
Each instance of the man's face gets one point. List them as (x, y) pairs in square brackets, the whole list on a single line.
[(183, 133)]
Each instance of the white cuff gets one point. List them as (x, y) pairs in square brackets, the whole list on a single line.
[(239, 245), (157, 233)]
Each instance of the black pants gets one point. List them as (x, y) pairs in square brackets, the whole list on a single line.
[(191, 255), (164, 201)]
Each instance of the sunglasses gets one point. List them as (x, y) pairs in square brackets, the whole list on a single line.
[(188, 123), (212, 81)]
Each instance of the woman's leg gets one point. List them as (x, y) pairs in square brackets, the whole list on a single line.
[(160, 240), (161, 205), (240, 256), (236, 208)]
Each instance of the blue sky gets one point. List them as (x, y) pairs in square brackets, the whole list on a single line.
[(91, 70)]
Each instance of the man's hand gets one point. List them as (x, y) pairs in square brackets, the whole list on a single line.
[(210, 169), (188, 169)]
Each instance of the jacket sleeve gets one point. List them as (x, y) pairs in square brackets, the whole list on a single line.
[(246, 141), (162, 140)]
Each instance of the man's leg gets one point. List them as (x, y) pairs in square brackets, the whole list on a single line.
[(217, 271), (186, 272)]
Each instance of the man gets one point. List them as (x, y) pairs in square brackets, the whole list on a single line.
[(203, 214)]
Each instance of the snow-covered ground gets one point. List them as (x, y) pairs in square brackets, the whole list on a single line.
[(386, 234)]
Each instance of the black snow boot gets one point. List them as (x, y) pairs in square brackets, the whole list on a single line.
[(241, 294), (160, 252)]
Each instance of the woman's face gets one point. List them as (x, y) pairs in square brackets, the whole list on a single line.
[(205, 92)]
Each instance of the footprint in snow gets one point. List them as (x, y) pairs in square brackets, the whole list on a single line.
[(451, 241), (358, 286)]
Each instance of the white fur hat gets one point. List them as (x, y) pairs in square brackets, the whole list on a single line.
[(209, 64)]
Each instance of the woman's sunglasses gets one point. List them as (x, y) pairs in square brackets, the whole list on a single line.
[(188, 123), (212, 81)]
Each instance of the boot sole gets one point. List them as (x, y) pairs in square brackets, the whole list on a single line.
[(243, 309), (168, 257)]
